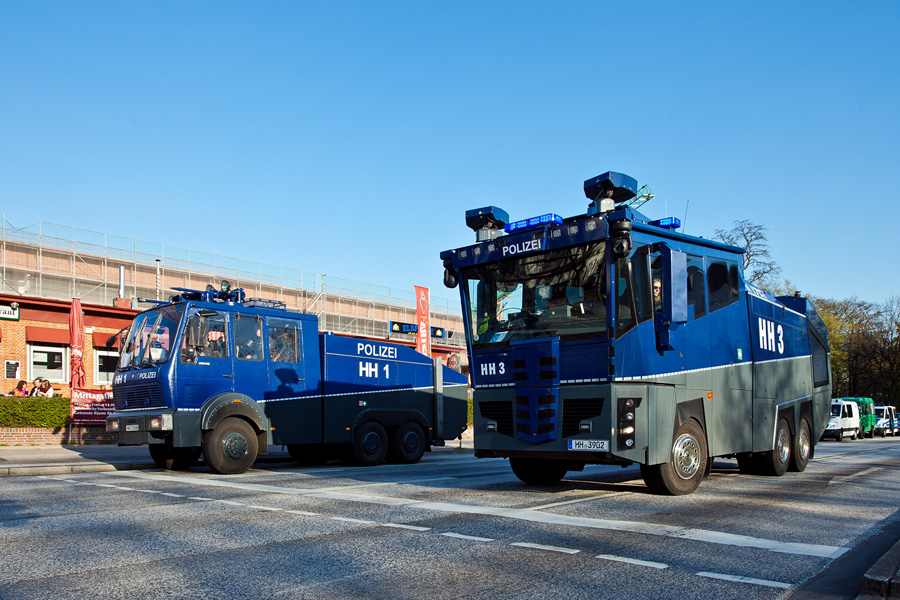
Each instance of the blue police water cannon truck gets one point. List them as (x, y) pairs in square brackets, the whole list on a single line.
[(611, 338), (214, 373)]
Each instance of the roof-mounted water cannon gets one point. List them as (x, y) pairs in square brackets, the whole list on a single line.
[(487, 222), (607, 190)]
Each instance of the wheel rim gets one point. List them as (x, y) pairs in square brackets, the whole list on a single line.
[(783, 447), (803, 444), (686, 456), (372, 443), (235, 446), (411, 442)]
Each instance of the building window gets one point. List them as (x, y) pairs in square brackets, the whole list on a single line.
[(50, 361), (104, 366)]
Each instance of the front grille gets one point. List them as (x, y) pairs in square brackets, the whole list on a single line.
[(142, 395), (500, 411), (575, 410)]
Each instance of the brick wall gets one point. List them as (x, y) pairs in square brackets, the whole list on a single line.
[(26, 436)]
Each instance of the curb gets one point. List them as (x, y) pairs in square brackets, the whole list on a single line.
[(882, 579), (67, 469)]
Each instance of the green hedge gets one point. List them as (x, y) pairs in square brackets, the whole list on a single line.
[(34, 412)]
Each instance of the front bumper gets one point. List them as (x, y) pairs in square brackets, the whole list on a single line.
[(143, 427)]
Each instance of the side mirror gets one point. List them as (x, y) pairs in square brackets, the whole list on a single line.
[(674, 287)]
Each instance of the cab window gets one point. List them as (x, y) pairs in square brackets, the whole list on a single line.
[(248, 338), (284, 340)]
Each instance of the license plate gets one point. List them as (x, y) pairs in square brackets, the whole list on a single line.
[(134, 427), (589, 445)]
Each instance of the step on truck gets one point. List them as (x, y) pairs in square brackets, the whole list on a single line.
[(611, 338), (212, 373)]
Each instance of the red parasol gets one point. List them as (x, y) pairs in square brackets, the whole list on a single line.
[(76, 344)]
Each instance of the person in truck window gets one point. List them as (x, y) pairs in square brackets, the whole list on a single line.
[(657, 294)]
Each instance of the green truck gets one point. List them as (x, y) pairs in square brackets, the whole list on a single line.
[(866, 416)]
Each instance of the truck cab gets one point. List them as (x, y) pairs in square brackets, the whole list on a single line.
[(844, 421)]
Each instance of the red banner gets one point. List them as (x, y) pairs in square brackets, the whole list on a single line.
[(423, 320), (91, 407)]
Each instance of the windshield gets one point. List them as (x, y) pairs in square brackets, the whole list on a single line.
[(150, 338), (836, 410), (879, 412), (557, 293)]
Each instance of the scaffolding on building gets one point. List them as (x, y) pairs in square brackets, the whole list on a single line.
[(53, 261)]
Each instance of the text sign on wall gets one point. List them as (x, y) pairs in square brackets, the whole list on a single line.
[(12, 369), (9, 313)]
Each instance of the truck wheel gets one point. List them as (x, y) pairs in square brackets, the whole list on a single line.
[(776, 461), (370, 444), (231, 447), (174, 459), (538, 471), (684, 471), (802, 450), (407, 444), (747, 463)]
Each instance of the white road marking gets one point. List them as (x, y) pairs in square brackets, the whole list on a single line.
[(229, 502), (349, 520), (673, 531), (171, 495), (305, 513), (198, 498), (543, 547), (262, 507), (633, 561), (741, 579), (846, 478), (402, 526), (577, 500), (472, 538), (382, 483)]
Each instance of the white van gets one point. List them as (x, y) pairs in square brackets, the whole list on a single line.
[(844, 420), (885, 420)]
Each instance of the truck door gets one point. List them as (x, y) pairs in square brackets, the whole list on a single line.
[(205, 367), (251, 375), (293, 404), (285, 358)]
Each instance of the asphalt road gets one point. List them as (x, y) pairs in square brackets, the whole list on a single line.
[(448, 527)]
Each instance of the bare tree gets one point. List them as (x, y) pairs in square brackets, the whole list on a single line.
[(759, 268)]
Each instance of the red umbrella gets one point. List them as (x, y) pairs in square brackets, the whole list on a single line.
[(76, 344)]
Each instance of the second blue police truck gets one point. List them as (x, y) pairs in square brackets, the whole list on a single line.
[(213, 373), (612, 338)]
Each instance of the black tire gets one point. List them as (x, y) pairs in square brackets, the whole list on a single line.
[(370, 444), (174, 459), (802, 448), (684, 471), (538, 471), (776, 461), (407, 444), (231, 447), (855, 434)]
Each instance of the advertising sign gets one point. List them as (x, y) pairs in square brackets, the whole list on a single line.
[(91, 407), (423, 320)]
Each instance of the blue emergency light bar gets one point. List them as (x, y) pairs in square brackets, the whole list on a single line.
[(533, 222), (667, 223)]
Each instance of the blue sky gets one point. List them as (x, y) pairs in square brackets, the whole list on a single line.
[(349, 138)]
